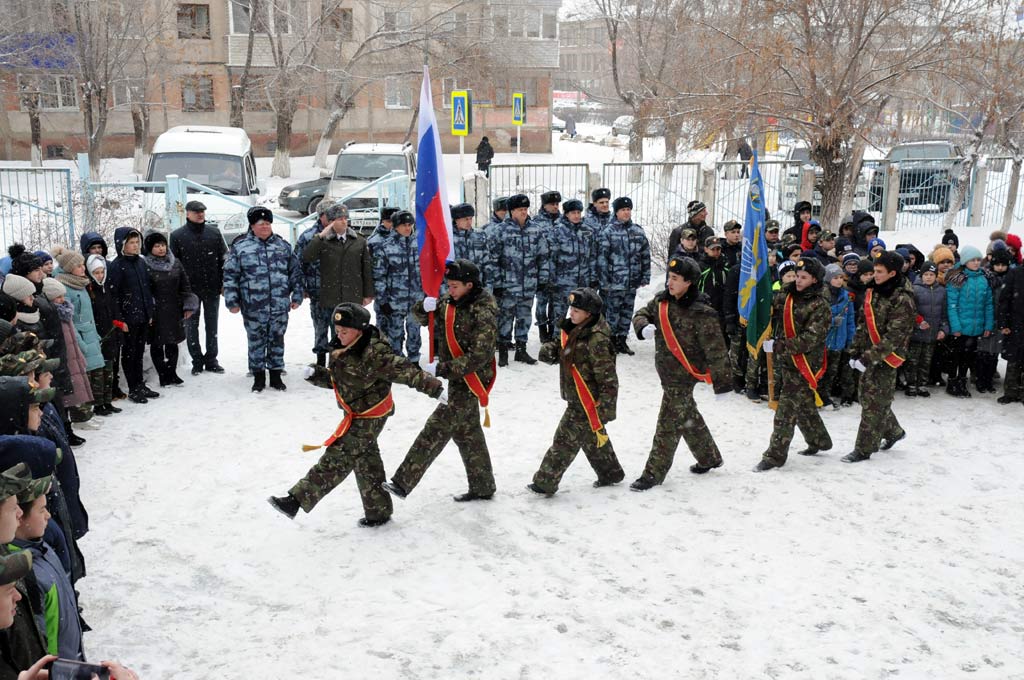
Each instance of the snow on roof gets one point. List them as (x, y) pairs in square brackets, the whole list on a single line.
[(203, 138)]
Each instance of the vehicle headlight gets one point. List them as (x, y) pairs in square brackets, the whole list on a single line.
[(293, 194)]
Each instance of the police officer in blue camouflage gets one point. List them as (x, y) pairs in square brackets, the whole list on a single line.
[(397, 284), (520, 255), (499, 211), (623, 266), (598, 215), (262, 280), (572, 258), (311, 286), (471, 244), (373, 242), (547, 217)]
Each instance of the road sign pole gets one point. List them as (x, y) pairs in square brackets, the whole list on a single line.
[(462, 169)]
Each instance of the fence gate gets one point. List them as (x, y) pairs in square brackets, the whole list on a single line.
[(781, 189), (570, 180), (36, 207)]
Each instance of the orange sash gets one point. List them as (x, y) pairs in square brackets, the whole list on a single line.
[(379, 410), (893, 360), (476, 386), (800, 360), (588, 401), (675, 347)]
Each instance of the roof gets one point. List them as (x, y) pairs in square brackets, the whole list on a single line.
[(203, 138), (375, 148)]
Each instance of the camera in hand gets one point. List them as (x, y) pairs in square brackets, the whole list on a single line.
[(66, 669)]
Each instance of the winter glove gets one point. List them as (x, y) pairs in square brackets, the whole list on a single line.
[(856, 364), (768, 346), (647, 332), (443, 397), (499, 293), (429, 304), (430, 384), (386, 309), (432, 368), (308, 372)]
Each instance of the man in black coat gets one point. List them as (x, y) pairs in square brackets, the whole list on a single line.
[(697, 214), (1010, 322), (713, 271), (200, 249), (732, 244)]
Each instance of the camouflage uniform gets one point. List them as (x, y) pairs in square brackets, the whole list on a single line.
[(593, 357), (476, 330), (696, 328), (812, 317), (543, 313), (895, 314), (472, 245), (596, 221), (373, 242), (572, 265), (623, 266), (396, 280), (363, 376), (520, 255), (263, 278), (311, 285)]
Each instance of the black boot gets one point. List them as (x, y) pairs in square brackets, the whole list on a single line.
[(545, 332), (286, 505), (739, 384), (259, 380), (321, 359), (889, 443), (138, 396), (148, 393), (502, 354), (643, 484), (539, 491), (394, 488), (470, 496), (699, 469), (367, 522), (275, 381), (521, 355), (855, 457), (623, 347)]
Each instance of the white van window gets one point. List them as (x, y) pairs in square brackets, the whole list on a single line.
[(367, 166), (221, 172)]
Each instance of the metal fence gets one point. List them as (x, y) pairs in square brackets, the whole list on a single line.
[(36, 207), (660, 191), (781, 189), (571, 180)]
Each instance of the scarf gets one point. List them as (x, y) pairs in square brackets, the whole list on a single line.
[(160, 264), (72, 281), (28, 315), (65, 311), (573, 335)]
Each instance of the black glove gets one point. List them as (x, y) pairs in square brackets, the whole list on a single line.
[(499, 292), (595, 285), (386, 309)]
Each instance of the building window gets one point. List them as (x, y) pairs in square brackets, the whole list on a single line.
[(194, 22), (129, 91), (242, 17), (52, 93), (499, 19), (197, 93), (447, 85), (397, 21), (515, 22), (340, 21), (501, 96), (55, 151), (397, 94), (532, 23), (550, 25)]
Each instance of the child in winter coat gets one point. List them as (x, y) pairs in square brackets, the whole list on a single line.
[(971, 316), (81, 394), (931, 326), (128, 285), (109, 328), (839, 338), (988, 348)]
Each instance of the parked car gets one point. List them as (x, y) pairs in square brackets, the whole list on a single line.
[(623, 124), (304, 197), (929, 174), (557, 124), (360, 164)]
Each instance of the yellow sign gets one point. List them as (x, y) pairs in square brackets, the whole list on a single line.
[(518, 108), (462, 113), (771, 142)]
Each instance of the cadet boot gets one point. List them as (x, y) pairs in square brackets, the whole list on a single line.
[(922, 392), (962, 390), (470, 496), (889, 443), (101, 410), (213, 367), (699, 469), (809, 451), (286, 505), (623, 347), (321, 359), (367, 522), (545, 332), (113, 409), (608, 481), (275, 381), (502, 354), (739, 384), (521, 355), (259, 380), (537, 490), (753, 396), (855, 457), (394, 488), (951, 387), (643, 484), (764, 465), (1006, 399)]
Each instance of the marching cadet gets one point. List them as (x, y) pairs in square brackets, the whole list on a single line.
[(589, 387), (396, 281), (361, 372), (520, 253), (801, 318), (572, 252), (471, 244), (465, 330), (547, 218), (623, 266), (689, 348), (879, 348)]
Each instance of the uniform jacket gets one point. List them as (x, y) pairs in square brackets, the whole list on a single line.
[(472, 245), (173, 296), (812, 318), (520, 254), (969, 302), (376, 238), (595, 219), (200, 249), (895, 312), (59, 620), (573, 255), (346, 268), (311, 270), (128, 282), (261, 277), (699, 333), (1011, 314), (623, 256), (396, 272), (844, 320), (593, 357), (931, 307), (476, 330)]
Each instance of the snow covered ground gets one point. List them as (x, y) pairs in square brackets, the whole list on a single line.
[(908, 565)]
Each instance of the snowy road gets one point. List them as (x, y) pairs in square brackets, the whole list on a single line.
[(908, 565)]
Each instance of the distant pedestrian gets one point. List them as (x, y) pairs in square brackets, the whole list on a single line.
[(484, 156)]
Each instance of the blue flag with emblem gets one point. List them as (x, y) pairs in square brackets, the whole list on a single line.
[(755, 286)]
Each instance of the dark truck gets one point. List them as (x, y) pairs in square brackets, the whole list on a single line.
[(929, 174)]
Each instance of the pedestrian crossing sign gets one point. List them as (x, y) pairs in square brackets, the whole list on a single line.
[(462, 112), (518, 108)]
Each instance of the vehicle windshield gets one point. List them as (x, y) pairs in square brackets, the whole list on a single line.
[(920, 152), (367, 166), (217, 171)]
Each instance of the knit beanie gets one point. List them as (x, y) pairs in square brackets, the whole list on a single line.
[(53, 289), (18, 287), (95, 262), (832, 271), (43, 256), (850, 257), (23, 261), (941, 253), (67, 259), (968, 253)]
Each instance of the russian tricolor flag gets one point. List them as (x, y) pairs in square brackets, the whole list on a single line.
[(433, 219)]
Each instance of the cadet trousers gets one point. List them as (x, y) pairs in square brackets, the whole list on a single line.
[(102, 382), (573, 434), (355, 452), (877, 421), (514, 310), (680, 419), (459, 420), (796, 409), (919, 363)]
